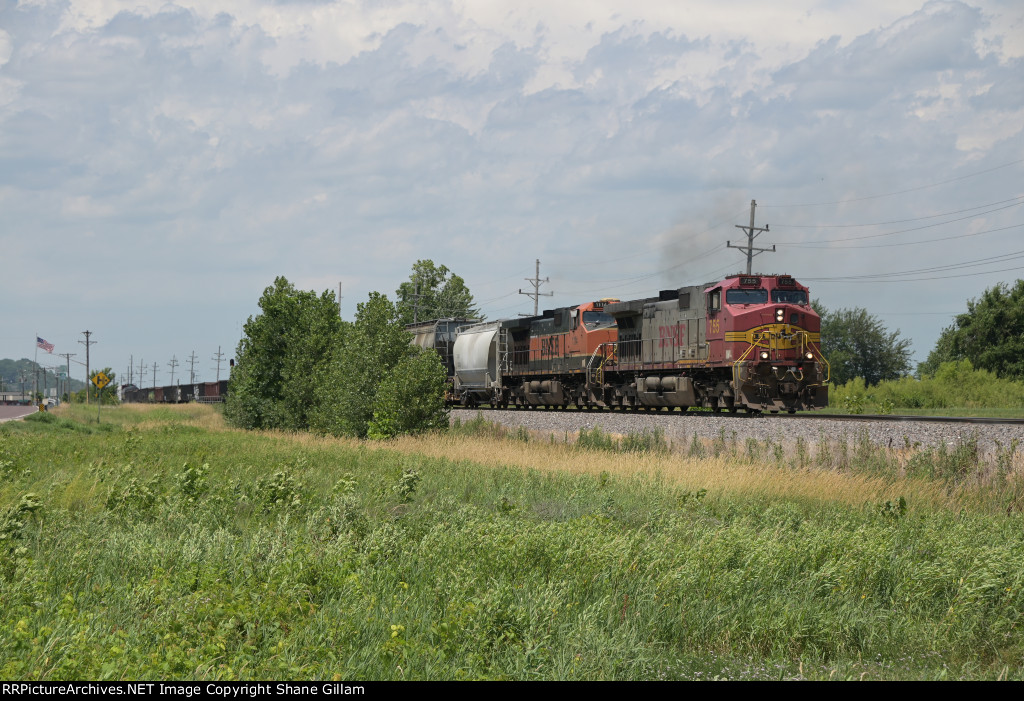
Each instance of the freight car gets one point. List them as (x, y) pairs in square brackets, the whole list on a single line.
[(749, 342), (206, 392)]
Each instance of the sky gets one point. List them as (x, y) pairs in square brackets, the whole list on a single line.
[(162, 162)]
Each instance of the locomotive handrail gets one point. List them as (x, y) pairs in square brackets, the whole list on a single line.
[(598, 373), (772, 340)]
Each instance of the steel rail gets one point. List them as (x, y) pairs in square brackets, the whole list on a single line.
[(657, 411)]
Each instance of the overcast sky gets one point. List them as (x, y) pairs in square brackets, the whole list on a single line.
[(161, 162)]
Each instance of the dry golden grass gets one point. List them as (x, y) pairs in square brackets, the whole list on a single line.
[(147, 416), (719, 475)]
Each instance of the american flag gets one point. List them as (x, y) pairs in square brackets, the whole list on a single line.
[(44, 344)]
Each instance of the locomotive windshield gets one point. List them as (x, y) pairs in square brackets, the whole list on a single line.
[(746, 296), (789, 296), (593, 319)]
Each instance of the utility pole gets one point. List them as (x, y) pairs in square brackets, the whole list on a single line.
[(218, 358), (536, 294), (752, 232), (174, 363), (142, 367), (154, 374), (87, 343), (192, 368), (416, 301), (23, 378), (339, 300), (67, 380)]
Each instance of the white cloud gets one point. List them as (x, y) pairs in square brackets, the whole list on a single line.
[(211, 146)]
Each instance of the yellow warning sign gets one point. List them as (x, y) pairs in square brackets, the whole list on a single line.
[(101, 380)]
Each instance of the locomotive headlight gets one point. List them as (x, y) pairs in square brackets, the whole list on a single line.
[(809, 356), (764, 355), (779, 313)]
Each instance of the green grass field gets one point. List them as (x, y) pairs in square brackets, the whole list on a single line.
[(160, 544)]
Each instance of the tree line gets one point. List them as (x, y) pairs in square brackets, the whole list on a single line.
[(989, 336), (299, 366)]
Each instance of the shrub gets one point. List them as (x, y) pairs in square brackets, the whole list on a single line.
[(411, 398)]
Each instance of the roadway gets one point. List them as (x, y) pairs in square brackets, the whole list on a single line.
[(9, 413)]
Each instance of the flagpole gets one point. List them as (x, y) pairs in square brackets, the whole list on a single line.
[(35, 359)]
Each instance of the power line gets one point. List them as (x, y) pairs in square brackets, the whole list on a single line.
[(898, 221), (900, 192), (915, 228), (913, 243), (951, 266), (918, 279)]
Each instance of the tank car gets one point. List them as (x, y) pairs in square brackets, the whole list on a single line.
[(533, 361)]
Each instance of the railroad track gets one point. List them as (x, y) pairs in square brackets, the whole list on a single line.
[(744, 415)]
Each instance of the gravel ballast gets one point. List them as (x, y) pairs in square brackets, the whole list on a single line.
[(680, 428)]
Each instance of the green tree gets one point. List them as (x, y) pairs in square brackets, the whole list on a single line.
[(284, 355), (857, 344), (371, 347), (411, 399), (434, 292), (990, 334)]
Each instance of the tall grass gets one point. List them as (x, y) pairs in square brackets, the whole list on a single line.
[(956, 388), (157, 547)]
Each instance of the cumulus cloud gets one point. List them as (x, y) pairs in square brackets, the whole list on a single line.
[(195, 150)]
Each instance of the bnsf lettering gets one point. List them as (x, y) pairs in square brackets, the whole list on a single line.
[(548, 345), (672, 336)]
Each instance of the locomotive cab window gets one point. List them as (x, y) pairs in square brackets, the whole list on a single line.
[(715, 300), (735, 296), (594, 319), (789, 296)]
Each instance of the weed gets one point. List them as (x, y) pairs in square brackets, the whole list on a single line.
[(802, 456), (652, 441), (894, 510), (279, 491), (853, 403), (192, 481), (596, 439), (12, 526), (129, 495), (753, 449), (406, 486)]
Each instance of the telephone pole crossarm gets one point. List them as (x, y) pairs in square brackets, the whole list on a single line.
[(536, 294), (752, 233)]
